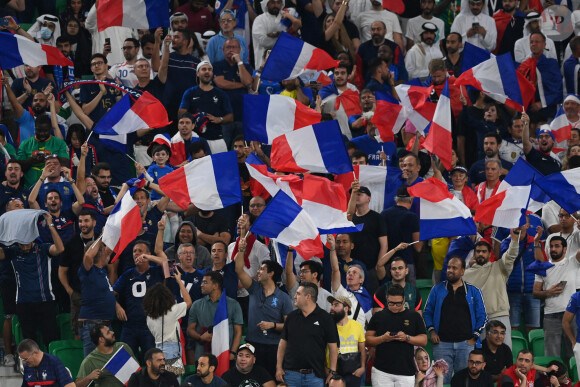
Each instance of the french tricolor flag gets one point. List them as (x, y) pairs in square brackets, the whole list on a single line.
[(317, 148), (140, 14), (498, 78), (505, 209), (389, 118), (122, 119), (122, 365), (265, 183), (210, 183), (291, 57), (419, 111), (220, 344), (439, 141), (326, 204), (560, 126), (563, 188), (123, 224), (524, 174), (286, 222), (442, 214), (270, 116), (16, 50)]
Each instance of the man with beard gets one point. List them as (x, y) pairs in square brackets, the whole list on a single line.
[(358, 122), (366, 19), (91, 369), (154, 374), (352, 341), (12, 187), (454, 58), (215, 45), (330, 93), (511, 148), (420, 55), (491, 278), (124, 72), (476, 27), (474, 375), (101, 174), (25, 88), (211, 102), (414, 25), (491, 147), (556, 288), (509, 22), (204, 374), (200, 17), (522, 373), (247, 373), (498, 356), (543, 159), (455, 317), (370, 49)]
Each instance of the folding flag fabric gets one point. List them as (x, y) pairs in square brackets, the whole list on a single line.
[(505, 209), (560, 126), (122, 119), (316, 148), (350, 102), (563, 188), (419, 111), (523, 174), (269, 116), (326, 204), (265, 184), (140, 14), (442, 214), (388, 118), (290, 57), (439, 141), (16, 50), (288, 223), (210, 183), (396, 6), (498, 78), (123, 224), (220, 344), (122, 365)]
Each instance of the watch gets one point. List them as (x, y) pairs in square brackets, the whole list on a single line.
[(332, 372), (408, 338)]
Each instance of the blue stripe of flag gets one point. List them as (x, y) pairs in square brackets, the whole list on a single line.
[(118, 361), (509, 80), (256, 114), (105, 124), (227, 177), (332, 147), (9, 53), (157, 13), (221, 312), (440, 228), (283, 57), (278, 214)]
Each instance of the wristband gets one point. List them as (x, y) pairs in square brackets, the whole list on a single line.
[(240, 63), (258, 73)]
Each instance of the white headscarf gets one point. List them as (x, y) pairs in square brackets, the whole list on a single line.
[(35, 29)]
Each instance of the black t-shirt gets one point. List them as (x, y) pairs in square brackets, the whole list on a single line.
[(546, 164), (396, 357), (462, 379), (255, 378), (495, 362), (72, 258), (366, 242), (306, 340), (464, 129), (401, 224), (211, 225)]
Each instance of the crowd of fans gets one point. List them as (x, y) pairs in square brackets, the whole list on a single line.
[(349, 318)]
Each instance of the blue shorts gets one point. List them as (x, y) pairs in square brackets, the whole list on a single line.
[(529, 305)]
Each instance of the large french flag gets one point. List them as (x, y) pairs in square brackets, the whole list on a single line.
[(389, 118), (220, 344), (498, 78), (560, 126), (265, 183), (523, 174), (123, 224), (122, 119), (563, 188), (269, 116), (286, 222), (317, 148), (419, 111), (16, 50), (442, 214), (122, 365), (326, 204), (141, 14), (505, 209), (210, 183), (439, 141), (291, 57)]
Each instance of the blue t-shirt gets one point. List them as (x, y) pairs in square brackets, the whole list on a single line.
[(37, 87), (131, 286), (98, 209), (64, 225), (150, 225), (215, 102), (50, 372), (574, 307), (32, 272), (232, 73), (157, 172), (196, 381), (65, 189), (90, 90), (230, 279), (192, 282), (98, 301), (181, 75), (373, 149)]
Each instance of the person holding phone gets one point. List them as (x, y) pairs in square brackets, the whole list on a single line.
[(475, 27)]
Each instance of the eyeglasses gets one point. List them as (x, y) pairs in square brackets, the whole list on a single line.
[(304, 271), (25, 360), (128, 48), (392, 303), (226, 20), (501, 333), (187, 253), (563, 216), (99, 63), (256, 205), (477, 363)]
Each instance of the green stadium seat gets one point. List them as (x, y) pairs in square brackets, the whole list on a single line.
[(189, 370), (424, 286), (70, 352), (519, 342), (536, 341), (544, 360), (63, 322), (573, 370), (26, 26), (60, 6)]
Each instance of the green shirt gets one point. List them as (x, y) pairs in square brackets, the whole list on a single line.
[(30, 147), (96, 360), (10, 149)]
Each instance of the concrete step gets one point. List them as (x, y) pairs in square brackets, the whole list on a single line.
[(9, 378)]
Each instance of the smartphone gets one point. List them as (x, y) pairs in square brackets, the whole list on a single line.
[(563, 284), (393, 334), (474, 25), (108, 41), (4, 22)]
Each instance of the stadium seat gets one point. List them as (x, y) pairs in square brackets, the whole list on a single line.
[(519, 342), (189, 370), (573, 370), (66, 332), (544, 360), (536, 341), (70, 352), (26, 26), (424, 286), (60, 6)]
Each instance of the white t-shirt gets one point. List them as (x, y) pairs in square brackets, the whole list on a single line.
[(170, 323), (565, 270), (365, 19), (573, 245)]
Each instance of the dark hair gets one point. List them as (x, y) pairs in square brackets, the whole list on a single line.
[(350, 145), (349, 235), (539, 33), (459, 258), (484, 244), (398, 258), (79, 130), (342, 65), (273, 266), (187, 35), (574, 162), (494, 324), (147, 38), (477, 351), (195, 147), (374, 64), (28, 345), (212, 360), (357, 154), (239, 137), (63, 39), (494, 135), (147, 194), (98, 166), (143, 242), (395, 291), (215, 277), (221, 243), (134, 41), (310, 288), (98, 55), (525, 352), (51, 191), (87, 212), (96, 333), (158, 301), (314, 267), (459, 37), (14, 161), (149, 354), (561, 239), (42, 119), (187, 115), (561, 368)]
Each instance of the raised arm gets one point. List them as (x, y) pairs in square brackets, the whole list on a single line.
[(290, 276), (526, 135), (78, 111), (244, 277), (162, 73), (335, 278), (57, 247), (78, 205), (355, 187)]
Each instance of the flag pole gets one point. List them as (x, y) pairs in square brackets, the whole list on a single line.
[(87, 141), (94, 244), (130, 157)]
